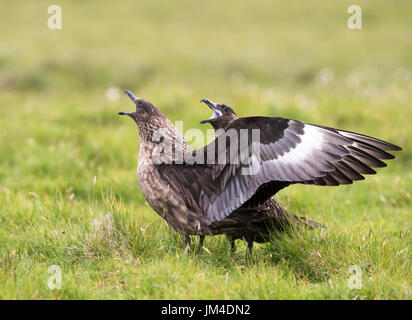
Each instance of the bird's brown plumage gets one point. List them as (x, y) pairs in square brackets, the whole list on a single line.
[(256, 222), (199, 198)]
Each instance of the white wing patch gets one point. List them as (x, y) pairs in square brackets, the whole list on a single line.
[(311, 140)]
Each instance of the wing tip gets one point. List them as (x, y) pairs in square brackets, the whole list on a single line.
[(391, 147), (396, 148)]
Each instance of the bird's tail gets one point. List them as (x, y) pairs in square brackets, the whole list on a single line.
[(309, 223), (281, 214)]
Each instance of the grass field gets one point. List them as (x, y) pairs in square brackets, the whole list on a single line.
[(68, 187)]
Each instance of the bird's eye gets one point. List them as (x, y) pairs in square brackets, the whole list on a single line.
[(226, 108)]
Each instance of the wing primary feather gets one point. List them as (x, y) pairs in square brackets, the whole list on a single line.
[(350, 172), (330, 181), (380, 144), (366, 158), (377, 153), (340, 177), (358, 165)]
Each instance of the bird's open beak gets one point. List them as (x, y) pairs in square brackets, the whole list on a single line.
[(131, 95), (133, 98), (216, 112)]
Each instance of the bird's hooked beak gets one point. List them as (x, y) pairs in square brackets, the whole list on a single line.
[(216, 111), (133, 98)]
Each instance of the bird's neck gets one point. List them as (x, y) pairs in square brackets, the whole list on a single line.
[(161, 142)]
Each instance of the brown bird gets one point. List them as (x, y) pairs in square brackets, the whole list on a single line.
[(262, 220), (197, 197)]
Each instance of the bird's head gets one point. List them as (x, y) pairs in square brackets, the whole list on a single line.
[(222, 115), (147, 117)]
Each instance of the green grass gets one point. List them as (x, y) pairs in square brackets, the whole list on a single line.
[(68, 187)]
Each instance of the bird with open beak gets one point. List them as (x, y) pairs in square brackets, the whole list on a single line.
[(217, 198), (271, 216), (222, 115)]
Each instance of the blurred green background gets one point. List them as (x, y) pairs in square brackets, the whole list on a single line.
[(66, 157)]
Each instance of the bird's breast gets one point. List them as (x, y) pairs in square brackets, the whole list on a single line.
[(167, 203)]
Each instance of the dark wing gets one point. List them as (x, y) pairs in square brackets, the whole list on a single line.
[(289, 152)]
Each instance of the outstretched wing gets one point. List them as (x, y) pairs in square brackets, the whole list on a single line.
[(289, 152)]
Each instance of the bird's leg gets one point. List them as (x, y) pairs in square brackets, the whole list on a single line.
[(232, 246), (201, 239), (249, 246), (232, 243), (187, 243)]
